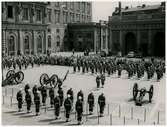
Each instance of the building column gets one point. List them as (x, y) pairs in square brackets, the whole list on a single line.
[(110, 40), (138, 40), (149, 42), (121, 43), (21, 42), (95, 40), (34, 40), (44, 42)]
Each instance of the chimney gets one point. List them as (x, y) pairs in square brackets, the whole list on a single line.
[(119, 7)]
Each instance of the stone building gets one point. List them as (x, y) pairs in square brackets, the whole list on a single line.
[(59, 14), (23, 27), (139, 29), (92, 36)]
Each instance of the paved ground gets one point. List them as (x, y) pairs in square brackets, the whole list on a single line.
[(118, 94)]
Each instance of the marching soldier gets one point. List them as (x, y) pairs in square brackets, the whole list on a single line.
[(70, 92), (34, 90), (98, 81), (80, 93), (44, 94), (68, 107), (57, 106), (119, 71), (91, 102), (102, 80), (61, 95), (19, 99), (102, 103), (28, 101), (79, 109), (37, 103), (51, 95)]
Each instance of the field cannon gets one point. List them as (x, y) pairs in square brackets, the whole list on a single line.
[(12, 76), (138, 94), (45, 80), (53, 80)]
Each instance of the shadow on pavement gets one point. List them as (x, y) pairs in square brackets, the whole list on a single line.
[(46, 120), (21, 113), (26, 116), (11, 112), (93, 117), (58, 122)]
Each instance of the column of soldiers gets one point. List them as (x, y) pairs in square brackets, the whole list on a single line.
[(58, 100), (113, 65)]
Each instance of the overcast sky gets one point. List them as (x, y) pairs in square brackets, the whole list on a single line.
[(101, 10)]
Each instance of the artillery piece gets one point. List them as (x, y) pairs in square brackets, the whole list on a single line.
[(142, 92), (53, 80), (45, 80), (12, 76)]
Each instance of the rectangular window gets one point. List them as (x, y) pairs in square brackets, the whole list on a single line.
[(10, 12), (57, 16), (65, 17), (49, 15), (38, 15), (25, 14)]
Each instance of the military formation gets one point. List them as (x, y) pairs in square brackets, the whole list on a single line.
[(97, 65), (58, 100)]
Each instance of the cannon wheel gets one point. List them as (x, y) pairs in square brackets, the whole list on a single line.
[(135, 91), (53, 80), (19, 77), (9, 73), (151, 93), (44, 77)]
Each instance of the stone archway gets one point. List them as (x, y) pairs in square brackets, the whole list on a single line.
[(130, 42), (159, 44)]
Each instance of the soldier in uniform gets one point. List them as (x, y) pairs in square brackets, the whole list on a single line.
[(61, 95), (51, 95), (19, 99), (70, 92), (98, 81), (26, 88), (44, 94), (79, 109), (34, 90), (102, 103), (91, 102), (37, 102), (80, 93), (57, 106), (68, 107), (102, 79), (28, 101), (119, 71)]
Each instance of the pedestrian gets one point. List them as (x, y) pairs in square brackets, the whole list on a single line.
[(19, 99), (44, 94), (57, 107), (102, 103), (37, 103), (68, 107), (51, 95), (79, 109), (91, 103), (28, 101)]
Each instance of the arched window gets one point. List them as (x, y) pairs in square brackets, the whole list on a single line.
[(58, 41), (49, 41), (39, 44), (11, 45), (26, 44)]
